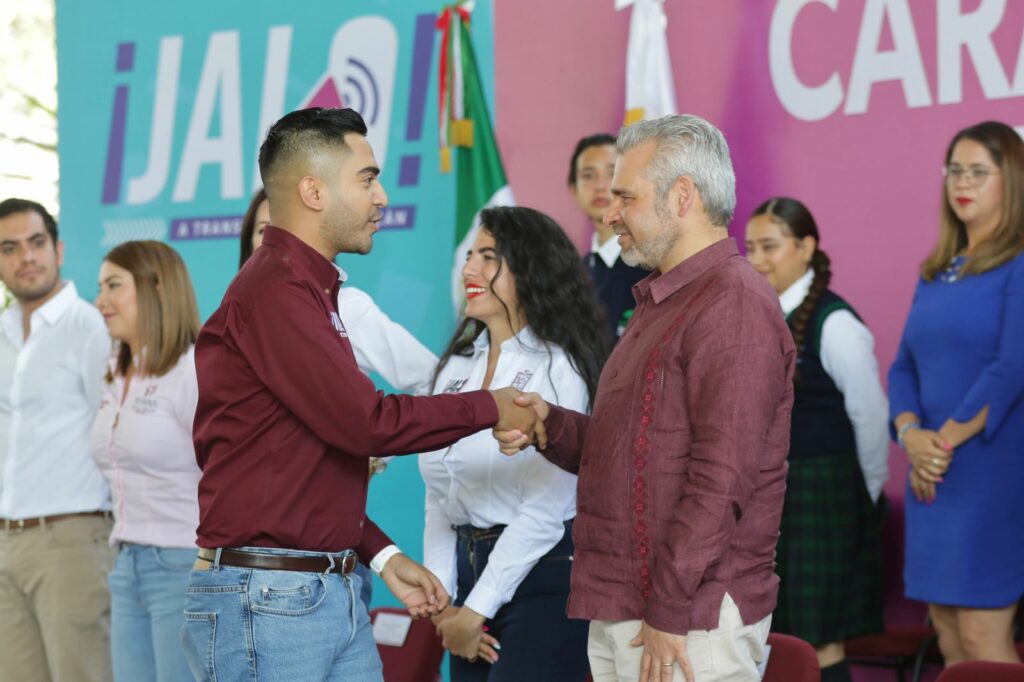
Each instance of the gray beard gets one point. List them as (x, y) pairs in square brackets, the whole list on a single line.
[(650, 254)]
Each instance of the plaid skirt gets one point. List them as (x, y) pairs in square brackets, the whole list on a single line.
[(829, 553)]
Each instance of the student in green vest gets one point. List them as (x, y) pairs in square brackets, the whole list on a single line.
[(829, 552)]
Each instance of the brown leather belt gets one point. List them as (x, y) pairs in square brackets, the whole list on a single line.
[(13, 526), (278, 562)]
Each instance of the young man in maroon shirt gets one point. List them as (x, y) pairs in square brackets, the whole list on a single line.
[(286, 423), (682, 465)]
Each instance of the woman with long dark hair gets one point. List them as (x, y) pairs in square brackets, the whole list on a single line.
[(499, 529), (956, 391), (829, 551)]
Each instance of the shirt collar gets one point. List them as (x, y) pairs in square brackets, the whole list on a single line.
[(792, 297), (608, 252), (525, 338), (323, 271), (661, 286), (50, 311)]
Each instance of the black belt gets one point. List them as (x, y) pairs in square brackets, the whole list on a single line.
[(468, 532), (281, 562)]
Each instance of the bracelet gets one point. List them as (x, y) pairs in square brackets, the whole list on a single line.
[(902, 431)]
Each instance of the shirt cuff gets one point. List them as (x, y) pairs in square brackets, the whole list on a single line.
[(484, 600), (485, 409), (381, 559)]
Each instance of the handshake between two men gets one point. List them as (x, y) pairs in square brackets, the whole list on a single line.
[(520, 420), (520, 423)]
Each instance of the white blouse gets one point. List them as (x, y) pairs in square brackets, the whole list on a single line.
[(848, 357), (143, 446), (472, 483)]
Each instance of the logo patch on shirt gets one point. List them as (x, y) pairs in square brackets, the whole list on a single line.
[(455, 385), (522, 379), (338, 326)]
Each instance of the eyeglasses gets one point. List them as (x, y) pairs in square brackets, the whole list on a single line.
[(976, 175)]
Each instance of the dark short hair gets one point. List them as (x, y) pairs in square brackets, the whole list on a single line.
[(597, 140), (249, 226), (11, 206), (306, 130)]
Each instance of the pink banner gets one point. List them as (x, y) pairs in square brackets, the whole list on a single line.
[(847, 105)]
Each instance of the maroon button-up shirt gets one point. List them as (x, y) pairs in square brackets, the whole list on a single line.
[(682, 465), (286, 421)]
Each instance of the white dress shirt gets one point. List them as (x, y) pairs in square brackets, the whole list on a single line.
[(471, 482), (50, 386), (608, 252), (848, 357), (143, 446), (383, 346)]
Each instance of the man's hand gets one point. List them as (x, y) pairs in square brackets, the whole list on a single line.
[(415, 586), (663, 651), (512, 440), (462, 634)]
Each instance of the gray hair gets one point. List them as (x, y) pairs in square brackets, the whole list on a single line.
[(687, 145)]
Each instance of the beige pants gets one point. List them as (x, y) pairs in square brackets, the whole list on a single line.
[(729, 653), (54, 602)]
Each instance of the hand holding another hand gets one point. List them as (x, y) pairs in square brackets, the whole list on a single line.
[(462, 633), (930, 454), (513, 438)]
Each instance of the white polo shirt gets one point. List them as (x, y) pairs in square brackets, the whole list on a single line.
[(50, 387)]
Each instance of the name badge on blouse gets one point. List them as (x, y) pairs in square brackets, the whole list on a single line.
[(455, 385), (146, 403), (338, 326), (522, 379)]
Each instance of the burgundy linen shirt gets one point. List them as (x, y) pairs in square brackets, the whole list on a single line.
[(682, 465), (286, 422)]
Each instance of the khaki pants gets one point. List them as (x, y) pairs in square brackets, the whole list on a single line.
[(54, 602), (729, 653)]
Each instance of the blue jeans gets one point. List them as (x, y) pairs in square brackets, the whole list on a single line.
[(251, 624), (538, 641), (147, 592), (366, 593)]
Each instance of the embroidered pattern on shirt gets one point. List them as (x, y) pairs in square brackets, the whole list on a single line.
[(454, 385), (522, 379), (338, 326), (640, 495)]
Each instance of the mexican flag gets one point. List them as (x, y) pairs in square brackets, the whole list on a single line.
[(465, 124), (650, 92)]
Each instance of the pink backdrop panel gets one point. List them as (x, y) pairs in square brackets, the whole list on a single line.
[(891, 80)]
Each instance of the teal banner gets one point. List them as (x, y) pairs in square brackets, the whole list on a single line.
[(162, 110)]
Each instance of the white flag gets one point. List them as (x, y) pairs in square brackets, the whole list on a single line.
[(650, 92)]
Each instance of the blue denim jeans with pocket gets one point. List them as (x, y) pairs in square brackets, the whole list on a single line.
[(252, 624), (539, 642), (147, 592)]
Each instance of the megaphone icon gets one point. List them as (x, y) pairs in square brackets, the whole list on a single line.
[(361, 75)]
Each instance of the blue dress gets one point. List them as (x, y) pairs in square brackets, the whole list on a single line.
[(963, 349)]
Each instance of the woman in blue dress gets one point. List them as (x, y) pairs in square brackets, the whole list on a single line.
[(956, 395)]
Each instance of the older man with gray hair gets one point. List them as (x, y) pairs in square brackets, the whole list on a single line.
[(682, 465)]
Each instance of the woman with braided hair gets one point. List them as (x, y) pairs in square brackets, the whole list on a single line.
[(829, 551)]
